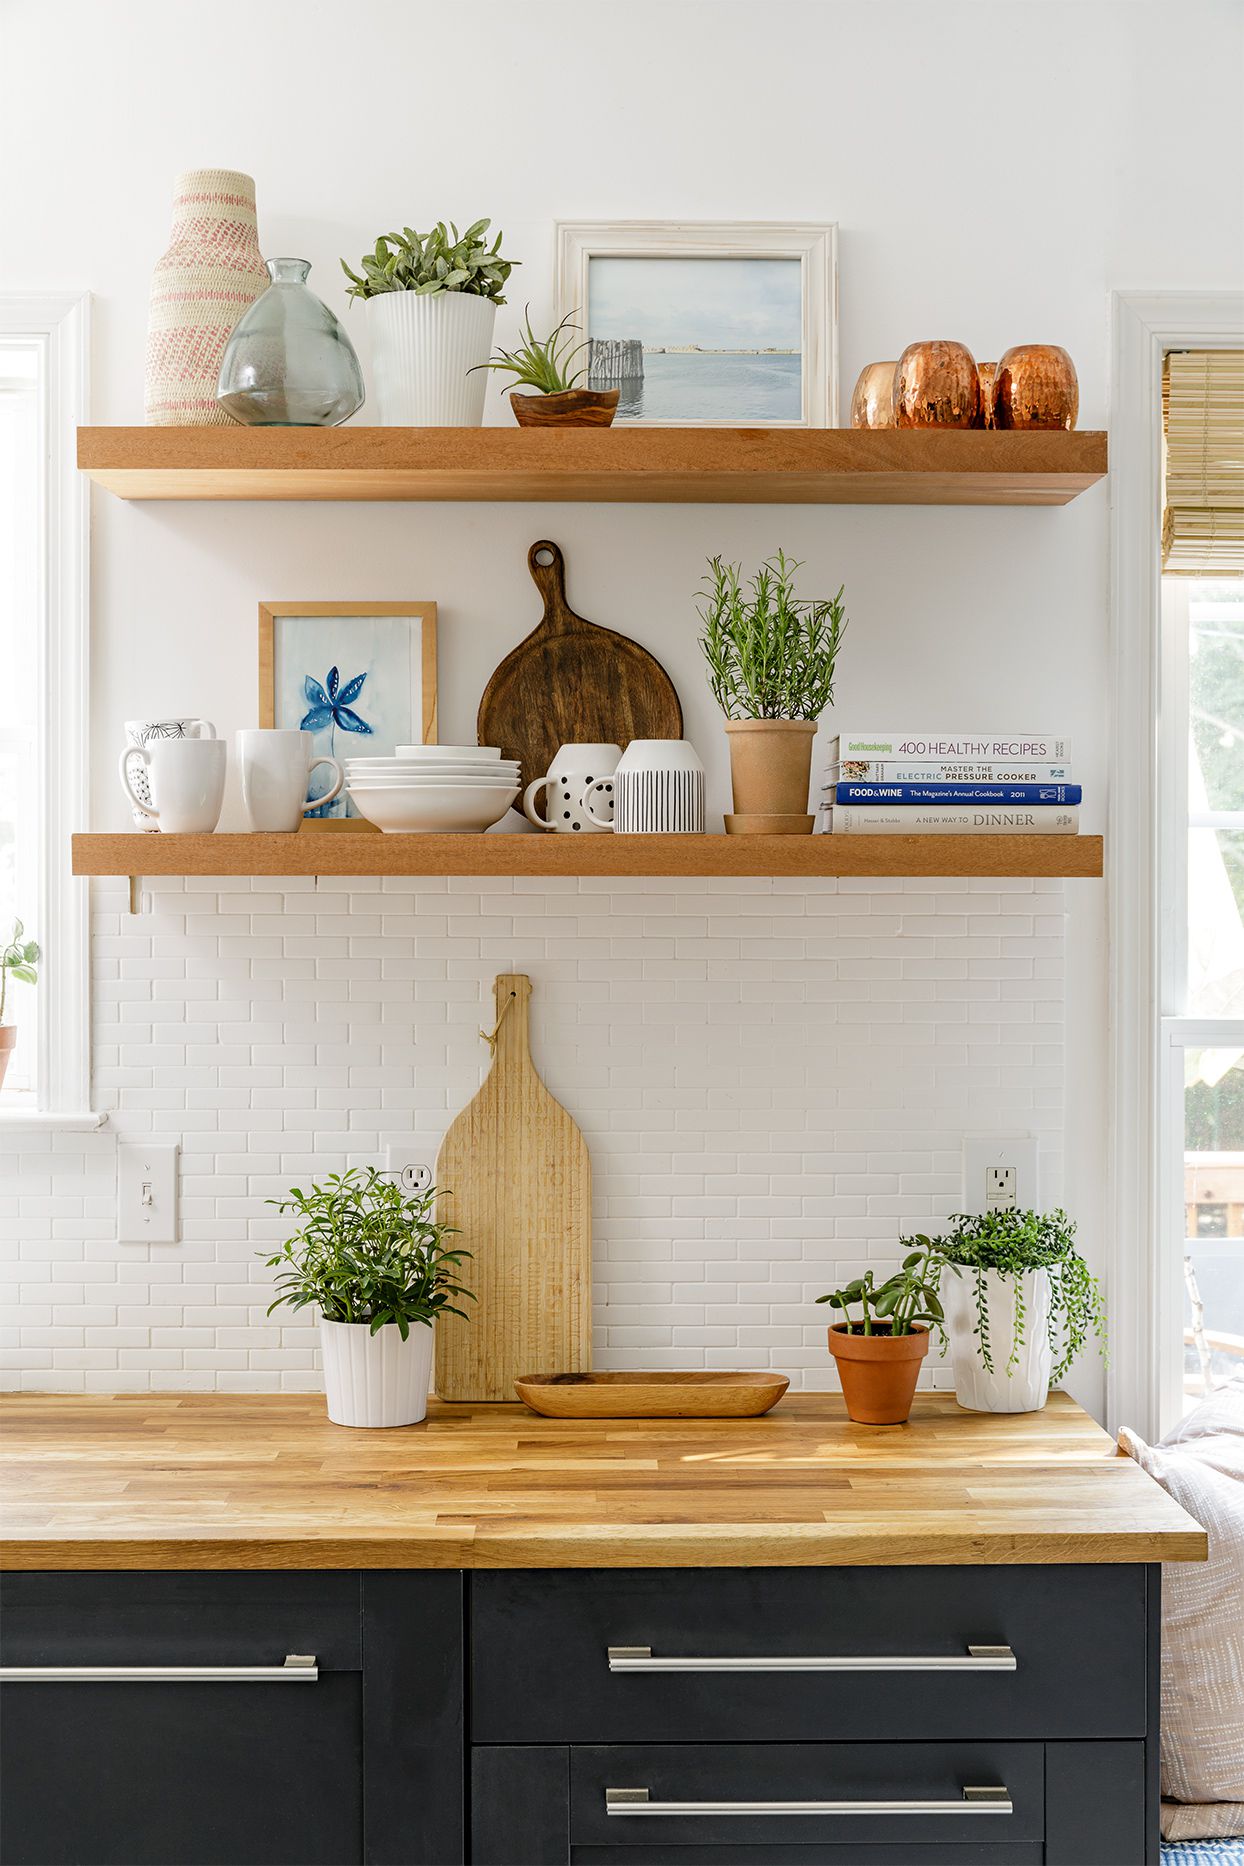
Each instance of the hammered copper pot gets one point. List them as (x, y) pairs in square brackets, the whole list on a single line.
[(1036, 387), (872, 403), (936, 386), (987, 373)]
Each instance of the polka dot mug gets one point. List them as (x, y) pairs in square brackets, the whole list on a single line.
[(573, 769)]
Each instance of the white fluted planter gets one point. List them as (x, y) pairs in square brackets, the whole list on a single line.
[(376, 1379), (976, 1389), (423, 351)]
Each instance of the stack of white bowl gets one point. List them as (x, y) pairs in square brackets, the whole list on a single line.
[(434, 789)]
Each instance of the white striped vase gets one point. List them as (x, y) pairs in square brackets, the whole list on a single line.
[(423, 353), (211, 273), (376, 1380)]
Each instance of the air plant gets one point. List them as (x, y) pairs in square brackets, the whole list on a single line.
[(541, 364)]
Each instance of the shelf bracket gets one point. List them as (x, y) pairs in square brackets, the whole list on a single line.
[(136, 895)]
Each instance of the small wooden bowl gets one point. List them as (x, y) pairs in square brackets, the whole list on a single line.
[(572, 408), (752, 825), (651, 1395)]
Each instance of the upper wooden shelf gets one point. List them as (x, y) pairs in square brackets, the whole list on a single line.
[(346, 853), (698, 466)]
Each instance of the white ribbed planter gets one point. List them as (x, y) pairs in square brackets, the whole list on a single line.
[(422, 351), (976, 1388), (376, 1379)]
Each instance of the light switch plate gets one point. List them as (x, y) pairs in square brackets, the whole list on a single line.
[(146, 1194), (1000, 1173)]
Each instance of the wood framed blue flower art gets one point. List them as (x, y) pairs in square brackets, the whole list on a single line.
[(360, 677)]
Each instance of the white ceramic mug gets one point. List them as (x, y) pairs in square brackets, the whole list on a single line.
[(574, 767), (186, 778), (142, 732), (657, 789), (277, 763)]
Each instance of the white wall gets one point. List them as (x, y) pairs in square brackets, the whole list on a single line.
[(994, 169)]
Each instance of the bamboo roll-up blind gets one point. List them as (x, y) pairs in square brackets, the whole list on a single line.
[(1203, 414)]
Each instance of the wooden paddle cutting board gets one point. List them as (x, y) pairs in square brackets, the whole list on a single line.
[(519, 1187), (571, 682)]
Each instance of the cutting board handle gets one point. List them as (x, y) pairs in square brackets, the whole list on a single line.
[(548, 570)]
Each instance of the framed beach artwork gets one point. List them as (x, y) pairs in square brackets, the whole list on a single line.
[(706, 323), (359, 677)]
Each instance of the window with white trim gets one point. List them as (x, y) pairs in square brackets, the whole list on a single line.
[(43, 697)]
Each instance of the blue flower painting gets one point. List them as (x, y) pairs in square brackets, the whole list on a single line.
[(330, 705)]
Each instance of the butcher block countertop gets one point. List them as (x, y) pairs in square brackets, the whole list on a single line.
[(215, 1481)]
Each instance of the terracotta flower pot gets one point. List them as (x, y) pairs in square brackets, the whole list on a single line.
[(1036, 387), (770, 765), (936, 385), (878, 1371), (8, 1042), (570, 408)]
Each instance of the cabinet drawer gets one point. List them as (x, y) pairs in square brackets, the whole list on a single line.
[(880, 1654), (665, 1798)]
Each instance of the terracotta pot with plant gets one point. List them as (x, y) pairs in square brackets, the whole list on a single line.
[(771, 656), (879, 1355), (17, 960), (373, 1261), (544, 366)]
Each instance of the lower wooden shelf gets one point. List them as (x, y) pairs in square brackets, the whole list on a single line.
[(320, 853)]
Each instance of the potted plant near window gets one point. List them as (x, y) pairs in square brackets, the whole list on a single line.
[(879, 1355), (545, 367), (373, 1261), (18, 959), (432, 302), (771, 657), (1023, 1310)]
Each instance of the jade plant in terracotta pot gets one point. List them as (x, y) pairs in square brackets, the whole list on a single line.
[(879, 1354), (543, 365), (18, 959), (771, 656)]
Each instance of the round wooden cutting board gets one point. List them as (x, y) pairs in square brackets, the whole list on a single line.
[(572, 682)]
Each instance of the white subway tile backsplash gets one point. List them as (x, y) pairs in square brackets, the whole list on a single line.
[(774, 1078)]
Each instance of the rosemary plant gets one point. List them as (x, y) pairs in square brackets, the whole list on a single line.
[(909, 1297), (1012, 1243), (770, 653), (365, 1252), (540, 365)]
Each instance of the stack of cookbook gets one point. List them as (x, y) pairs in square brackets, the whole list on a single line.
[(964, 783)]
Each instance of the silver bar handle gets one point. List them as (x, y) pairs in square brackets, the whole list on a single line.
[(299, 1668), (972, 1801), (975, 1659)]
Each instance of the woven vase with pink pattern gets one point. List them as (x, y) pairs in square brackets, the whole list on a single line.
[(211, 273)]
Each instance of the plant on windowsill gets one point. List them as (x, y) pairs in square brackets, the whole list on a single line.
[(374, 1262), (431, 303), (771, 657), (18, 959), (879, 1354), (544, 365), (1024, 1310)]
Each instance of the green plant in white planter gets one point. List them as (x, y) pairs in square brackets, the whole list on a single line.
[(373, 1261), (18, 959), (431, 305), (771, 658), (1022, 1308)]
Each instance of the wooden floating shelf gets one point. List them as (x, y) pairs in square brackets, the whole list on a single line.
[(701, 466), (343, 853)]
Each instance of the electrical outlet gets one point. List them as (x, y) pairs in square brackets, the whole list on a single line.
[(146, 1195), (1000, 1173), (413, 1173)]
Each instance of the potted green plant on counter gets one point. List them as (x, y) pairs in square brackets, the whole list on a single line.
[(1023, 1309), (544, 365), (373, 1261), (771, 658), (879, 1354), (431, 305), (18, 959)]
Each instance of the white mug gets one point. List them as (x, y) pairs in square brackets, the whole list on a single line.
[(574, 767), (141, 732), (186, 779), (657, 789), (276, 776)]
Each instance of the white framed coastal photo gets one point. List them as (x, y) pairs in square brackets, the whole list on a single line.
[(706, 323)]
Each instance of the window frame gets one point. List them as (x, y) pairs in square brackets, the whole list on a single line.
[(59, 323)]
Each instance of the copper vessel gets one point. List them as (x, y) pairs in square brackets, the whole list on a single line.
[(872, 403), (987, 373), (936, 386), (1036, 387)]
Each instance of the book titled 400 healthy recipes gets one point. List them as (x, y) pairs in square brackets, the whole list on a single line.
[(952, 747)]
